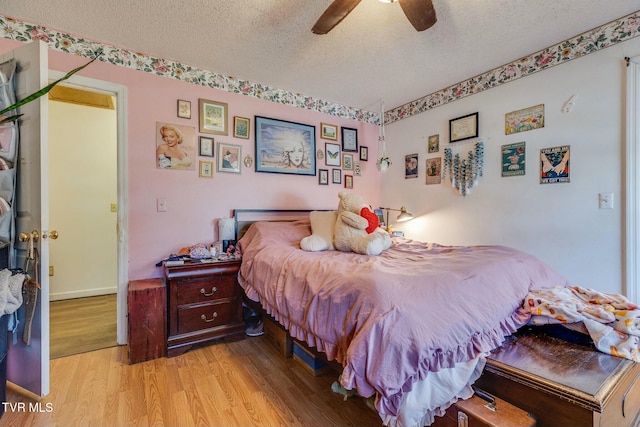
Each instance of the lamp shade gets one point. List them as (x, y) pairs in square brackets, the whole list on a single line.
[(404, 215)]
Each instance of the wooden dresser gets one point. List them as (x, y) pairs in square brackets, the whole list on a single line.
[(561, 383), (204, 302)]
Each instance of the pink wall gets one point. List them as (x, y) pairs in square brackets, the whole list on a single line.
[(194, 203)]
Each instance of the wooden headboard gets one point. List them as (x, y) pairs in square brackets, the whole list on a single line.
[(243, 218)]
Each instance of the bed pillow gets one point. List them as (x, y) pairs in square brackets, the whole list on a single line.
[(322, 225)]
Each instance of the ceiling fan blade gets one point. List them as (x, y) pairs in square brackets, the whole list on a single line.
[(336, 12), (420, 13)]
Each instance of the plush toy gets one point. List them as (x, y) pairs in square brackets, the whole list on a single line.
[(356, 228)]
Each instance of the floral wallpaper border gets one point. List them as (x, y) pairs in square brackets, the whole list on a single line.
[(588, 42), (15, 29), (591, 41)]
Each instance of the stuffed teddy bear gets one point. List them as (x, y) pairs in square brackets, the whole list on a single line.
[(356, 228)]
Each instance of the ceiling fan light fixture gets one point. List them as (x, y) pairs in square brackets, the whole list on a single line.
[(387, 1)]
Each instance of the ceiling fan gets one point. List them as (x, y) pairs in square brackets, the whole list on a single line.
[(420, 13)]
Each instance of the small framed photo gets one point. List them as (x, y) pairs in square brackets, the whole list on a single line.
[(229, 157), (213, 117), (323, 176), (241, 127), (348, 181), (347, 161), (464, 127), (349, 139), (336, 176), (333, 154), (206, 146), (328, 131), (364, 153), (357, 168), (411, 166), (433, 146), (184, 109), (206, 169)]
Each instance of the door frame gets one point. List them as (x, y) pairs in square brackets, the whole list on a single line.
[(631, 236), (120, 92)]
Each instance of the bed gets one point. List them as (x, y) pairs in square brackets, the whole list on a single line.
[(410, 327)]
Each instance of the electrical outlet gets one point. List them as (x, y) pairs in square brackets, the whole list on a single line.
[(161, 205), (605, 200)]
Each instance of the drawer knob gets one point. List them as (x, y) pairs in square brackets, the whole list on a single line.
[(213, 291), (203, 317)]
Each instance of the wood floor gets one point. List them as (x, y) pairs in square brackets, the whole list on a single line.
[(242, 383), (82, 324)]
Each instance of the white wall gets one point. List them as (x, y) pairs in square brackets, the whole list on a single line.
[(559, 223), (82, 186)]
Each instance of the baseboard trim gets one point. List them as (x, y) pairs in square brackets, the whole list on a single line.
[(82, 293)]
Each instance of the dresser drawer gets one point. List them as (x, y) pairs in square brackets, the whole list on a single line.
[(205, 316), (201, 290)]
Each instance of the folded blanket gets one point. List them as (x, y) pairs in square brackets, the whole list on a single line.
[(613, 322)]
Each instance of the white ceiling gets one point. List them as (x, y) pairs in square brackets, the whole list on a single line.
[(372, 54)]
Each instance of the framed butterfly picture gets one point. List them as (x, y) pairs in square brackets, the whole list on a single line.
[(333, 154)]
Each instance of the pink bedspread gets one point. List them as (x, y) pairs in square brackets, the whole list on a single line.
[(392, 318)]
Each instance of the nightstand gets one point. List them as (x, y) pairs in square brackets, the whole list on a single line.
[(204, 303)]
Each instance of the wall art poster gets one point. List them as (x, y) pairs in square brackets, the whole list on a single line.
[(554, 165), (434, 171), (434, 144), (175, 146), (513, 159), (524, 120), (285, 147), (411, 166)]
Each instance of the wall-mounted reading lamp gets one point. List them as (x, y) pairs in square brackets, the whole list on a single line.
[(402, 217)]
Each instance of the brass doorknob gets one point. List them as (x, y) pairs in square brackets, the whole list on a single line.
[(53, 235), (25, 237)]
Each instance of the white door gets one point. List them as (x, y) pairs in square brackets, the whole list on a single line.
[(28, 365)]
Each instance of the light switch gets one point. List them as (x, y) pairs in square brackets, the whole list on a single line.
[(161, 205), (605, 200)]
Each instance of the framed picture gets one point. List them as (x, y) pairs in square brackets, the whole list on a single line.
[(336, 176), (328, 131), (175, 147), (357, 168), (523, 120), (464, 127), (433, 171), (347, 161), (333, 154), (285, 147), (229, 157), (411, 166), (380, 216), (433, 146), (364, 153), (213, 117), (323, 176), (348, 181), (206, 146), (349, 139), (554, 165), (184, 109), (206, 169), (241, 127), (513, 159)]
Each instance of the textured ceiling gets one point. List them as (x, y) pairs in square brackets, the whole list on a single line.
[(372, 54)]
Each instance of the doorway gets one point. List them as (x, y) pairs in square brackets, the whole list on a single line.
[(86, 182)]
